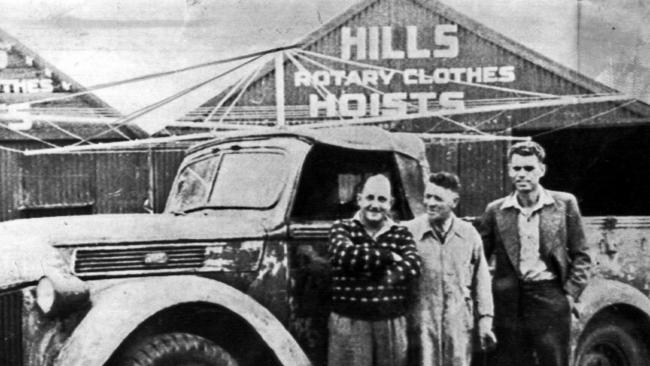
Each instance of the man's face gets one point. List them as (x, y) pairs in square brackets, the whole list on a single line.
[(439, 202), (525, 172), (375, 200)]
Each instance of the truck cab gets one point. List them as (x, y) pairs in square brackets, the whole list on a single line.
[(296, 185)]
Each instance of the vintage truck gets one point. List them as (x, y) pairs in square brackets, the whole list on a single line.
[(234, 272)]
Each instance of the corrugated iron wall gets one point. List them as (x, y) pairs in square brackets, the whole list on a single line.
[(9, 184), (482, 170), (56, 180), (122, 182), (106, 182), (481, 167), (165, 164), (443, 156)]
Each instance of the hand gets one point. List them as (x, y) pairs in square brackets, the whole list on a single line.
[(573, 306), (487, 339)]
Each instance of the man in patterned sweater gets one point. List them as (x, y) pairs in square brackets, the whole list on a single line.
[(374, 262)]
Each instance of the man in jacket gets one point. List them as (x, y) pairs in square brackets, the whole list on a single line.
[(542, 265), (373, 262), (455, 296)]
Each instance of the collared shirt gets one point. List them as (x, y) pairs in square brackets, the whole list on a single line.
[(531, 264), (388, 224), (443, 230)]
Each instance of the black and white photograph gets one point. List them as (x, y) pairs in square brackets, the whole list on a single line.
[(324, 182)]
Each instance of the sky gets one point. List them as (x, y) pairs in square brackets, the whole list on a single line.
[(93, 9), (97, 41)]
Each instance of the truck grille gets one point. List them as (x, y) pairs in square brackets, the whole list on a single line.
[(11, 327), (139, 259)]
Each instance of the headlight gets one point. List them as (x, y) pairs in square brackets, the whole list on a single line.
[(45, 294), (59, 294)]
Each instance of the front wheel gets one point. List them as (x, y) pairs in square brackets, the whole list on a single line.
[(615, 344), (177, 349)]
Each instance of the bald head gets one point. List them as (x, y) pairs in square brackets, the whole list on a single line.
[(375, 200), (377, 182)]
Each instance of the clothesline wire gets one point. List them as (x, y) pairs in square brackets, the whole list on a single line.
[(161, 74), (24, 134), (223, 100), (10, 149), (585, 119), (320, 89), (533, 119), (478, 125), (123, 121), (248, 82), (291, 51)]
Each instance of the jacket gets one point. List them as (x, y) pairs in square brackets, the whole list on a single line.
[(454, 290), (562, 246)]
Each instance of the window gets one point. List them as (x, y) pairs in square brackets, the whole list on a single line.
[(193, 184), (332, 177), (230, 180), (252, 180)]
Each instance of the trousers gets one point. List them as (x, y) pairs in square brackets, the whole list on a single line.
[(540, 333), (357, 342)]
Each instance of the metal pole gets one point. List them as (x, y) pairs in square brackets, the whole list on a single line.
[(279, 89)]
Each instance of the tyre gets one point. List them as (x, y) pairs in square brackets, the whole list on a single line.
[(615, 344), (177, 349)]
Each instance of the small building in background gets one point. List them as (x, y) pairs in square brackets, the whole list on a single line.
[(37, 112)]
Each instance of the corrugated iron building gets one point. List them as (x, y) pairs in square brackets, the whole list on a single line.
[(447, 53)]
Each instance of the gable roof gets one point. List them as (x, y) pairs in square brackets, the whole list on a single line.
[(478, 29), (86, 115), (39, 67)]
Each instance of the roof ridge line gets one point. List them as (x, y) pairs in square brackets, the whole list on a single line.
[(480, 30), (26, 51)]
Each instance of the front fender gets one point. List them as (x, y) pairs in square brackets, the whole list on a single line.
[(119, 310), (601, 293)]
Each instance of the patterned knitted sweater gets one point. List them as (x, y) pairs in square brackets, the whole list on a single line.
[(366, 282)]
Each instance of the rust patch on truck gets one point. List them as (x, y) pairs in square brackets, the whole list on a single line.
[(620, 251), (270, 286)]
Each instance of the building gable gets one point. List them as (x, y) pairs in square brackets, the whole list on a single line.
[(435, 43), (26, 77)]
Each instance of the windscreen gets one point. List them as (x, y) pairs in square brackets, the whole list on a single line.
[(230, 180)]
